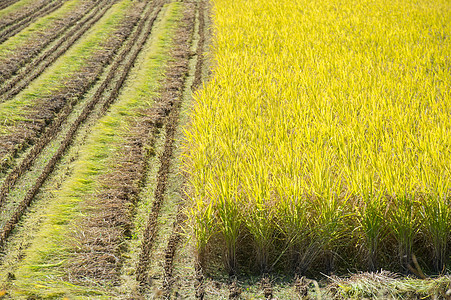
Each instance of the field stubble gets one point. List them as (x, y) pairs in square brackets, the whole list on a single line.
[(35, 60), (7, 3), (112, 199), (54, 128), (15, 23)]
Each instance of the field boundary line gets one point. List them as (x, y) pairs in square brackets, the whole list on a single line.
[(176, 235), (199, 280)]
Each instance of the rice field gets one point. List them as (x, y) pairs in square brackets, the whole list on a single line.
[(212, 149), (92, 100), (322, 142)]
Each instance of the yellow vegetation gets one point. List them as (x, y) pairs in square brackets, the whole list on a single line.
[(325, 131)]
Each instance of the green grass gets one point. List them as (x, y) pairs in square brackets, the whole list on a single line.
[(14, 7), (33, 31), (55, 77), (41, 271)]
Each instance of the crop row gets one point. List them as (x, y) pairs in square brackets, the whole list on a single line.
[(30, 42), (125, 29), (7, 3), (43, 59), (23, 21), (51, 97)]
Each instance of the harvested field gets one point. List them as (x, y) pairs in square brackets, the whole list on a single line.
[(47, 107), (7, 3), (123, 174), (14, 23), (34, 50), (107, 180)]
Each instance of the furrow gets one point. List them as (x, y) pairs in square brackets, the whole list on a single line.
[(124, 183), (132, 47), (40, 63), (16, 26), (139, 41), (7, 3), (17, 142), (43, 39), (176, 234), (200, 48), (172, 89), (19, 15), (174, 241), (52, 130)]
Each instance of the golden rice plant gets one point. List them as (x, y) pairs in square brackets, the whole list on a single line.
[(325, 134)]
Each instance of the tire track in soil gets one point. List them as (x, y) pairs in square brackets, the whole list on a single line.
[(18, 24), (7, 3), (133, 47), (174, 240), (33, 69), (200, 48), (171, 93), (176, 234)]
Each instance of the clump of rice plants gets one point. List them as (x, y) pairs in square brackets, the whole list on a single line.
[(323, 137)]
